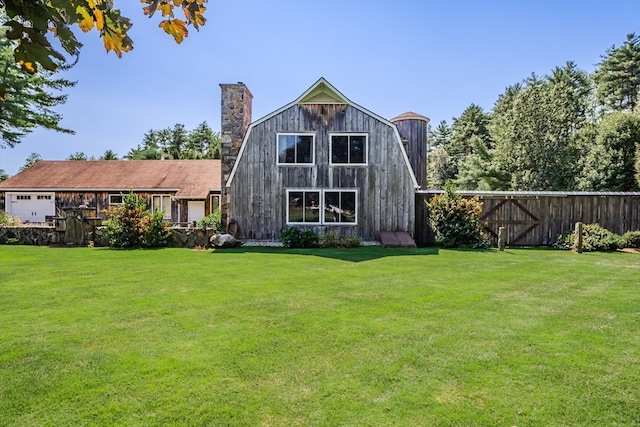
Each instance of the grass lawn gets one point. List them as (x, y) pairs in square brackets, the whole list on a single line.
[(321, 337)]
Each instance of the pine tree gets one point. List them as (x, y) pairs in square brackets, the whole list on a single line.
[(618, 76), (27, 100)]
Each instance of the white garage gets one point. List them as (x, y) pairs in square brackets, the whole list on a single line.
[(33, 207)]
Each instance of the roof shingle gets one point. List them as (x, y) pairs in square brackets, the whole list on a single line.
[(190, 178)]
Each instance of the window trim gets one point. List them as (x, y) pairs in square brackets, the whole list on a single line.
[(313, 148), (321, 192), (339, 190), (303, 190), (349, 134), (161, 196)]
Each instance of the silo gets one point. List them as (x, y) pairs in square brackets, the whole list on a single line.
[(413, 131)]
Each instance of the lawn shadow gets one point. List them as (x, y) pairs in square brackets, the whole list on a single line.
[(360, 254)]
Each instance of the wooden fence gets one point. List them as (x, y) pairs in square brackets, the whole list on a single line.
[(538, 218)]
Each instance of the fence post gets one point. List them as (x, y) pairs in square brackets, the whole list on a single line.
[(501, 238), (577, 238)]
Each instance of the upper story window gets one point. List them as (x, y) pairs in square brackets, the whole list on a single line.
[(295, 149), (348, 149)]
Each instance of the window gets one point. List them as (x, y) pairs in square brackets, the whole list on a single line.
[(47, 197), (348, 149), (215, 202), (295, 149), (303, 207), (162, 203), (116, 199), (340, 207), (23, 197), (321, 207)]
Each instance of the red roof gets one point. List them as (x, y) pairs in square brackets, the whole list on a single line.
[(190, 178)]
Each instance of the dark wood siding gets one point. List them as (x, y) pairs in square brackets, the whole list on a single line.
[(414, 132), (257, 195), (539, 220)]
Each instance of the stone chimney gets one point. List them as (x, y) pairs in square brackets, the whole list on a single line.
[(235, 119)]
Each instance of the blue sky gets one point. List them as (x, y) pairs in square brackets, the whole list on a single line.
[(434, 57)]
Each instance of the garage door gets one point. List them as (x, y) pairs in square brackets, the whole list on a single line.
[(33, 207)]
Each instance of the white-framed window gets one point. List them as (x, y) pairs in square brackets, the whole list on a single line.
[(44, 197), (348, 149), (303, 207), (339, 206), (329, 206), (215, 202), (116, 199), (23, 197), (296, 148), (161, 202)]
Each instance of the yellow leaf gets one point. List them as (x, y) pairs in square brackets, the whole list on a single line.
[(175, 27), (86, 23), (28, 66), (166, 9), (99, 19)]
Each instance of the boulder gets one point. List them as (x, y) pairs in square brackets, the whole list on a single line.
[(225, 241)]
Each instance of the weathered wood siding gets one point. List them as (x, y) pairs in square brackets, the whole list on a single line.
[(257, 194), (532, 220), (414, 132)]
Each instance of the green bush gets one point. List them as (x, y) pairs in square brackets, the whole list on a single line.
[(333, 239), (6, 219), (294, 237), (631, 239), (455, 220), (594, 238), (213, 220), (132, 225)]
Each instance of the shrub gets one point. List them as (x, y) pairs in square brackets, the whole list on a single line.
[(213, 220), (333, 239), (6, 219), (594, 238), (455, 220), (294, 237), (631, 239), (132, 225)]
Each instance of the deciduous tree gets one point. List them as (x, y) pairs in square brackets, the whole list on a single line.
[(611, 162), (31, 21)]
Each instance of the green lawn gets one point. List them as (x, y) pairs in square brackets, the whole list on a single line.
[(320, 337)]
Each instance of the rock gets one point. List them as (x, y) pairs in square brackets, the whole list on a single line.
[(225, 241)]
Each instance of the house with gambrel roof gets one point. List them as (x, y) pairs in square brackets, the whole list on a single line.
[(320, 162)]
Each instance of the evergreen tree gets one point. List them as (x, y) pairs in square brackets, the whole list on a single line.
[(78, 155), (26, 100), (109, 155), (30, 161), (3, 175), (618, 76)]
